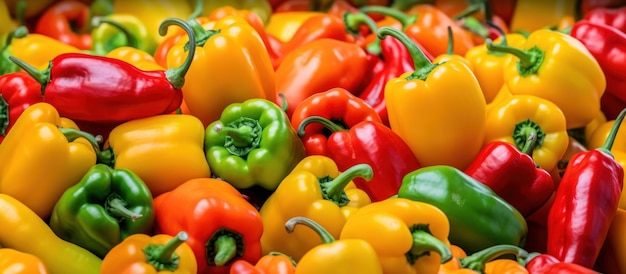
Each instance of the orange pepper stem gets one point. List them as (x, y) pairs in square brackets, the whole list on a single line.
[(162, 257), (326, 237), (608, 143), (404, 19), (478, 260), (116, 206), (131, 40), (529, 60), (424, 242), (103, 156), (450, 49), (422, 64), (528, 135), (176, 76), (333, 188), (328, 124), (353, 20), (242, 135), (226, 247)]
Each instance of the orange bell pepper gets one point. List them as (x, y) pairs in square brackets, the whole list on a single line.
[(16, 262), (272, 263)]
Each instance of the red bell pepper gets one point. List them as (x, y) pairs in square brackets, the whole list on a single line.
[(222, 226), (99, 89), (512, 173), (337, 105), (548, 264), (587, 6), (585, 203), (17, 92), (614, 17)]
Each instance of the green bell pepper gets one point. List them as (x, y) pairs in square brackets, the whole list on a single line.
[(119, 30), (253, 143), (478, 217), (104, 208)]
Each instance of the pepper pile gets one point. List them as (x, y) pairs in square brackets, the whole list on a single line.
[(290, 136)]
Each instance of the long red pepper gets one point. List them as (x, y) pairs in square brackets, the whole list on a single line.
[(586, 201), (99, 89)]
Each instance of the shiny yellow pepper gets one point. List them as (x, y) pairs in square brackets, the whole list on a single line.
[(335, 256), (284, 25), (153, 12), (559, 68), (408, 236), (37, 49), (317, 190), (438, 110), (533, 15), (138, 58), (16, 262), (534, 125), (39, 162)]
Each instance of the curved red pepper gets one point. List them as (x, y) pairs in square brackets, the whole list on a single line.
[(17, 92), (614, 17), (547, 264)]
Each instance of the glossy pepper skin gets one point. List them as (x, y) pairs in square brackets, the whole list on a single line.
[(153, 12), (441, 122), (23, 230), (336, 104), (98, 82), (532, 15), (17, 262), (471, 227), (577, 223), (545, 264), (102, 209), (118, 30), (408, 236), (221, 224), (317, 190), (272, 263), (38, 49), (36, 143), (614, 17), (144, 253), (18, 91), (58, 22), (341, 256), (252, 143)]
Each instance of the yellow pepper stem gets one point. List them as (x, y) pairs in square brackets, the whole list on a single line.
[(326, 237), (223, 246), (333, 189), (176, 76), (242, 135), (423, 66), (162, 257), (478, 260), (528, 135), (608, 143), (116, 206), (424, 242), (353, 20), (404, 19), (529, 60), (103, 156)]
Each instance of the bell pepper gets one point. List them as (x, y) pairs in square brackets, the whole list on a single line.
[(577, 223), (441, 122), (261, 8), (156, 92), (408, 236), (18, 91), (252, 143), (314, 189), (472, 228), (138, 58), (341, 256), (102, 209), (6, 66), (614, 17), (336, 104), (490, 260), (272, 263), (537, 69), (545, 264), (117, 30), (17, 262), (233, 52), (221, 224), (36, 143), (144, 253), (37, 49), (152, 13), (283, 25), (23, 230), (533, 15)]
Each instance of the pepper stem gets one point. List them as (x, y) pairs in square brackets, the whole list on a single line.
[(478, 260), (353, 20), (404, 19), (450, 49), (106, 157), (326, 237), (529, 60), (422, 64), (223, 246), (116, 206), (330, 125), (19, 32), (284, 104), (41, 76), (334, 189), (226, 248), (424, 242), (176, 76), (474, 7), (404, 5), (197, 10), (528, 135), (162, 257), (608, 143), (4, 116), (530, 144), (131, 40)]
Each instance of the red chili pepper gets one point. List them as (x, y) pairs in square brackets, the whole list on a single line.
[(512, 174), (17, 92), (614, 17), (99, 89), (548, 264), (586, 201)]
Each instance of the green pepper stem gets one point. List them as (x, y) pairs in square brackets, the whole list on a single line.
[(474, 26), (474, 7), (284, 104), (226, 249), (404, 19), (528, 135), (335, 188), (424, 242), (524, 56), (529, 60), (422, 64), (117, 207), (404, 5), (106, 157), (608, 143), (20, 10), (197, 10), (353, 20), (277, 253), (162, 257), (450, 49), (241, 136), (4, 116), (478, 260), (41, 76), (530, 144), (131, 40), (176, 76), (330, 125), (19, 32), (326, 237)]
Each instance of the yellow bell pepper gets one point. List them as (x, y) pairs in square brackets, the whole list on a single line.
[(36, 155), (262, 8), (164, 150), (503, 94), (317, 190), (408, 236), (235, 57), (618, 149), (16, 262), (557, 67), (37, 49), (153, 12), (6, 23), (534, 125), (138, 58), (438, 110), (335, 256), (531, 15), (23, 230), (284, 25)]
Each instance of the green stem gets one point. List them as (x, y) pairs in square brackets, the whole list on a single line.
[(353, 20), (531, 143), (4, 116), (241, 136), (131, 40), (334, 189), (176, 76), (330, 125), (478, 260), (404, 5), (19, 32), (326, 237), (404, 19), (116, 206), (284, 104), (608, 143), (226, 248), (473, 7), (41, 76), (529, 60), (450, 49), (106, 157), (528, 135), (162, 257), (20, 9), (223, 246), (424, 242), (422, 64), (197, 10)]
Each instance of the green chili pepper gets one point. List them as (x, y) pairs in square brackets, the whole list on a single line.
[(478, 217), (119, 30), (104, 208), (253, 143)]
